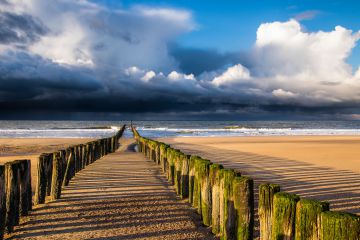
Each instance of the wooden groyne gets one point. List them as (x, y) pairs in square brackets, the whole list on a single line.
[(55, 170), (225, 200)]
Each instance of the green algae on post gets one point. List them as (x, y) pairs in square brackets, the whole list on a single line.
[(243, 196), (308, 219), (339, 225), (266, 195), (283, 219), (205, 191), (215, 177), (227, 210)]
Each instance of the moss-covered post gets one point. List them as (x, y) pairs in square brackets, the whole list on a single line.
[(177, 158), (191, 178), (308, 219), (205, 192), (12, 195), (227, 208), (25, 187), (283, 220), (215, 177), (196, 193), (184, 180), (266, 195), (339, 225), (243, 195), (2, 201), (48, 172), (69, 167), (171, 166), (163, 158), (56, 182)]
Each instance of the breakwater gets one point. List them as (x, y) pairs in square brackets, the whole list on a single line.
[(225, 200), (54, 172)]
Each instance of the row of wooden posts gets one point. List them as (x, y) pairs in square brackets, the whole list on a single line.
[(225, 200), (54, 172)]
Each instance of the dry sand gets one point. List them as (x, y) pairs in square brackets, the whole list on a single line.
[(30, 148), (121, 196), (318, 167)]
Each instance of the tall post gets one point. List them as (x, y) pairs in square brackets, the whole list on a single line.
[(56, 182), (2, 201), (308, 219), (12, 195), (243, 195), (266, 196), (283, 220), (215, 177), (25, 187)]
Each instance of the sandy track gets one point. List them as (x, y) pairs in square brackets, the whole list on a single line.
[(121, 196)]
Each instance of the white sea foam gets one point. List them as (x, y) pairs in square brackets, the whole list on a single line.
[(188, 132), (56, 133)]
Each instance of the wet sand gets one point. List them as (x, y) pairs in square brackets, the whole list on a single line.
[(318, 167)]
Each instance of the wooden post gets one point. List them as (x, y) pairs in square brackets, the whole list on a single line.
[(25, 187), (266, 195), (308, 218), (40, 190), (12, 195), (2, 201), (283, 220), (56, 182), (227, 208), (171, 166), (69, 167), (177, 170), (339, 225), (205, 192), (243, 195), (215, 177), (191, 179), (184, 180), (48, 172)]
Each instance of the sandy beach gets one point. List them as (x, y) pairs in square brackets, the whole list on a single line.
[(30, 148), (319, 167)]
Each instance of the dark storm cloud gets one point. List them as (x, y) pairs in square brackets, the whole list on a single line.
[(197, 61), (19, 29)]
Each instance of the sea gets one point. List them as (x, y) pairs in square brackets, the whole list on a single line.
[(158, 128)]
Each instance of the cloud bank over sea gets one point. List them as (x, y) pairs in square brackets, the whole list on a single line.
[(81, 56)]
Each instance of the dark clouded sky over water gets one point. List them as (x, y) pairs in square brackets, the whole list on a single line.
[(179, 59)]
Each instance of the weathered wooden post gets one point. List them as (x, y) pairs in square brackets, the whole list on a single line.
[(215, 177), (184, 180), (205, 191), (243, 195), (283, 220), (56, 182), (196, 186), (25, 186), (266, 195), (2, 201), (12, 195), (48, 157), (69, 169), (339, 225), (40, 189), (191, 179), (227, 208), (171, 166), (163, 158), (308, 219)]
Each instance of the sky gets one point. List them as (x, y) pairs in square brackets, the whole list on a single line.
[(180, 59)]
